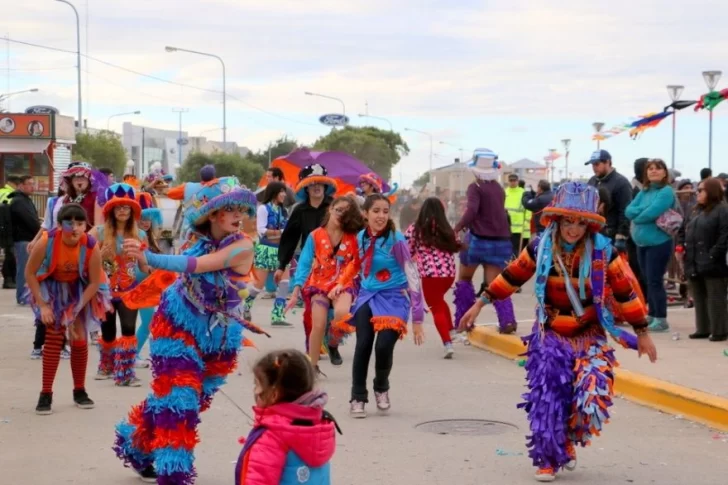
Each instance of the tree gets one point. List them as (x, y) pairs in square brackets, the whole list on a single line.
[(226, 164), (378, 149), (102, 150), (422, 180), (282, 146)]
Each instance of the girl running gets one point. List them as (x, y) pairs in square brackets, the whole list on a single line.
[(69, 295), (390, 288), (293, 438), (326, 270), (432, 244)]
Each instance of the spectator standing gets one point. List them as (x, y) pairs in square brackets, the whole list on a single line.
[(703, 242), (26, 224), (538, 201), (620, 196), (705, 174), (654, 246), (408, 214), (6, 233), (520, 231)]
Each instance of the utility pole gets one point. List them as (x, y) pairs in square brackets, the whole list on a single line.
[(180, 141)]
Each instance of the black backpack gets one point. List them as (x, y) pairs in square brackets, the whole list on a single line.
[(6, 225)]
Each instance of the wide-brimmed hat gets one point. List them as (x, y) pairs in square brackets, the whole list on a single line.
[(575, 200), (225, 192), (314, 174), (78, 169), (372, 179), (149, 212), (156, 177), (122, 194), (485, 164)]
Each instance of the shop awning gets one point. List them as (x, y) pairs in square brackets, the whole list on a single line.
[(15, 145)]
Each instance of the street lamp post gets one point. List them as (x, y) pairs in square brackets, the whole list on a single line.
[(460, 149), (426, 134), (224, 88), (343, 106), (180, 141), (567, 143), (78, 62), (598, 125), (5, 96), (377, 118), (108, 121), (711, 80), (675, 91)]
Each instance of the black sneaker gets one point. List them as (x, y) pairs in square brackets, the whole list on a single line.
[(335, 356), (82, 400), (148, 475), (44, 404)]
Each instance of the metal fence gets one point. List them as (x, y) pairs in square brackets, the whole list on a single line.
[(40, 199)]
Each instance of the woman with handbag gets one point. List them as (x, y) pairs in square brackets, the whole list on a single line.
[(654, 223), (703, 243)]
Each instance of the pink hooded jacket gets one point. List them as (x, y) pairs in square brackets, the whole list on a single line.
[(279, 430)]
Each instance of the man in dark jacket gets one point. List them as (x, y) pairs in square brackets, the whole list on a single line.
[(26, 224), (538, 201), (620, 193)]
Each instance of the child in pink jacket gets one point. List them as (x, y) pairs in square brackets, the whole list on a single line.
[(293, 438)]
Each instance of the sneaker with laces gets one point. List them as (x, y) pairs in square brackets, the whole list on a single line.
[(357, 409), (65, 353), (45, 402), (141, 364), (335, 356), (382, 399), (148, 475), (658, 325), (103, 376), (545, 474), (36, 354), (571, 451), (133, 382), (449, 351), (80, 397)]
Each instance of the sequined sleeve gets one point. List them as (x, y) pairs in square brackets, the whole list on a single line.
[(516, 274), (622, 282)]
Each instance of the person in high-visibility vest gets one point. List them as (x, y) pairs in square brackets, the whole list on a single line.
[(519, 216)]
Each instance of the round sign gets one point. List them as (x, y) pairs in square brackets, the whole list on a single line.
[(41, 110), (334, 119)]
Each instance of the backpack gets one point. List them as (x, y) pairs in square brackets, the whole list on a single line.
[(6, 225)]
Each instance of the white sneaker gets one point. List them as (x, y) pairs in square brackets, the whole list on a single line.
[(449, 351), (141, 364), (357, 410), (36, 354), (267, 295), (103, 376), (65, 354), (382, 399)]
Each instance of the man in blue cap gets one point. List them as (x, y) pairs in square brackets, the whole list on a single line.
[(620, 193)]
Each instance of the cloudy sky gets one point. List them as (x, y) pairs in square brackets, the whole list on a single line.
[(516, 76)]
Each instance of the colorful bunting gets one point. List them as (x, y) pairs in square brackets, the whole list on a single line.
[(710, 100), (648, 121)]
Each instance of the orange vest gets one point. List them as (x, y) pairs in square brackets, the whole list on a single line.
[(66, 263)]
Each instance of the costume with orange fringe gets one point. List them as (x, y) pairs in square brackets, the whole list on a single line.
[(570, 364), (320, 268), (196, 334)]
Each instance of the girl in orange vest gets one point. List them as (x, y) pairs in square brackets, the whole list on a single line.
[(68, 293)]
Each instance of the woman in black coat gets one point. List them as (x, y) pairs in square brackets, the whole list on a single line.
[(703, 242)]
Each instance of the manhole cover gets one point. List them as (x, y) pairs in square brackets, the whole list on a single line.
[(466, 427)]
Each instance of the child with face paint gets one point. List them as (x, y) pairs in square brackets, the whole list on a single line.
[(69, 295), (390, 289)]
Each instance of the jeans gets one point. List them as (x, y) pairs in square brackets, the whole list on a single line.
[(653, 264), (21, 260)]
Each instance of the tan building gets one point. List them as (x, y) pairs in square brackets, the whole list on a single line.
[(457, 176)]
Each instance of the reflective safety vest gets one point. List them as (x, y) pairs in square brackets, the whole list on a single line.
[(520, 217)]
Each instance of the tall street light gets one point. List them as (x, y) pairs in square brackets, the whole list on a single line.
[(711, 80), (377, 118), (675, 91), (455, 147), (567, 143), (180, 141), (224, 95), (108, 121), (78, 62), (5, 96), (426, 134), (598, 125), (343, 106)]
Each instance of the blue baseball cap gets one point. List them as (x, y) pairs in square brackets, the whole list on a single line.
[(599, 156)]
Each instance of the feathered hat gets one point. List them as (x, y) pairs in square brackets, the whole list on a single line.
[(575, 200), (372, 179), (485, 164), (122, 194), (314, 174), (225, 192), (78, 169), (149, 212), (98, 182)]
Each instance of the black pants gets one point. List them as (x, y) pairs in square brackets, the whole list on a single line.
[(711, 308), (127, 319), (517, 244), (635, 265), (383, 355), (40, 334), (9, 268)]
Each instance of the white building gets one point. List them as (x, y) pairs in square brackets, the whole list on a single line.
[(146, 146)]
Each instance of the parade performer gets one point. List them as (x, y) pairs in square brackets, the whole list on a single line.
[(570, 367), (487, 240), (293, 438), (371, 183), (432, 244), (195, 334), (186, 193), (326, 273), (68, 294), (121, 213), (314, 193), (390, 288), (271, 219)]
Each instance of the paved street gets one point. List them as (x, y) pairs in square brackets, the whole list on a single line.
[(72, 446)]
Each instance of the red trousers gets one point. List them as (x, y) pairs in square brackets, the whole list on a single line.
[(434, 290)]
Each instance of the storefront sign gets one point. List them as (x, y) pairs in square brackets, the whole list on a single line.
[(334, 119), (13, 125), (42, 110)]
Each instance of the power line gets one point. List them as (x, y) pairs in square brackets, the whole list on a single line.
[(269, 113), (39, 69)]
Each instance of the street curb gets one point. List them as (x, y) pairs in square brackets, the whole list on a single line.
[(655, 393)]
